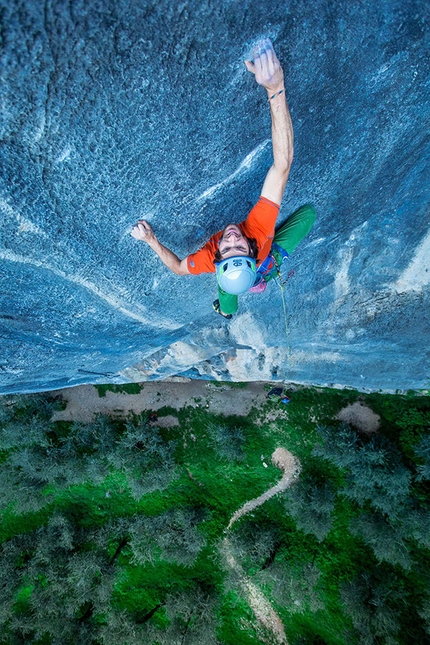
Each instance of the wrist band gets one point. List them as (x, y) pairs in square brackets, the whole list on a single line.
[(277, 94)]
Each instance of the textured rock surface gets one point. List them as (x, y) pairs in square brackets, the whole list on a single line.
[(114, 110)]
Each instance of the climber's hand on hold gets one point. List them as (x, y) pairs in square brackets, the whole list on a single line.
[(266, 67), (143, 231)]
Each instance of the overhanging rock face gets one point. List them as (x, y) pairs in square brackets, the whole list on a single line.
[(118, 110)]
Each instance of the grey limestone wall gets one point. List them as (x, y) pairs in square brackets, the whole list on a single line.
[(114, 110)]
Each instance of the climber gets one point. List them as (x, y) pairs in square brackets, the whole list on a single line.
[(246, 256)]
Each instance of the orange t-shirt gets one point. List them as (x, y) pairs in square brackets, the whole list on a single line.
[(260, 224)]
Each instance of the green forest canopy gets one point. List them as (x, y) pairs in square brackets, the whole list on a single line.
[(113, 531)]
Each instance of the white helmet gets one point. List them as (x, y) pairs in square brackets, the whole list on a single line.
[(236, 274)]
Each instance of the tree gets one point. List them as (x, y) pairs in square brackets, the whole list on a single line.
[(43, 458), (192, 615), (293, 585), (373, 602), (253, 546), (173, 536), (191, 620), (311, 503), (121, 629), (226, 441), (23, 424), (424, 612), (374, 469), (10, 579), (416, 523), (62, 580), (384, 536), (422, 451), (260, 554), (144, 456), (57, 583)]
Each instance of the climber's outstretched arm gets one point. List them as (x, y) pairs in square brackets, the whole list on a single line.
[(268, 73), (143, 231)]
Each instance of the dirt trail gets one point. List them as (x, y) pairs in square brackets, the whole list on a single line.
[(291, 467), (261, 607)]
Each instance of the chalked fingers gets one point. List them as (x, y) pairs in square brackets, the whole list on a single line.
[(259, 64), (266, 66), (142, 231), (272, 61), (272, 67)]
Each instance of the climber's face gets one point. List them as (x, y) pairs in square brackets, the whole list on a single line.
[(233, 242)]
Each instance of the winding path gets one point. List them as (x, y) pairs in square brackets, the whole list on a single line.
[(261, 607)]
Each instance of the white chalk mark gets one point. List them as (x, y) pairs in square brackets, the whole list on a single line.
[(417, 274), (345, 254), (242, 168), (111, 299), (40, 131), (24, 224), (341, 281), (64, 155), (320, 240)]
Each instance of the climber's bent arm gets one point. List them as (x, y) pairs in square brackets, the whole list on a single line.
[(170, 259), (143, 231)]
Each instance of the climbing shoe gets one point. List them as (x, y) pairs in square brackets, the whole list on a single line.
[(216, 308)]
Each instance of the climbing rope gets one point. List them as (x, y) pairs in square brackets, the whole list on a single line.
[(282, 282), (287, 329)]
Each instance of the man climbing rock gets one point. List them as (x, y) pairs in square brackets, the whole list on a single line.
[(246, 256)]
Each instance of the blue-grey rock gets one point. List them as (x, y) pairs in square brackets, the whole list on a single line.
[(114, 110)]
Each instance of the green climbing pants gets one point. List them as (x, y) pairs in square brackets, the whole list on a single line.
[(288, 236)]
